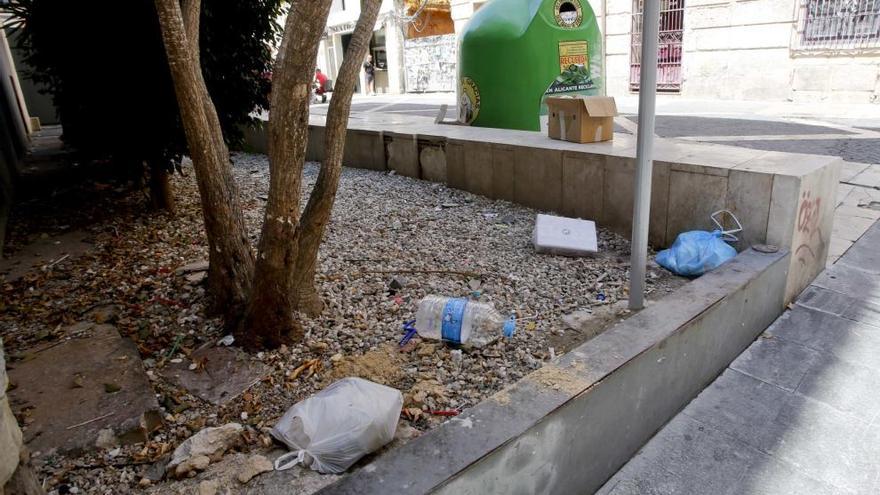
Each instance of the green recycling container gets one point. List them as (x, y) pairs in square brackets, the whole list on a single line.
[(515, 53)]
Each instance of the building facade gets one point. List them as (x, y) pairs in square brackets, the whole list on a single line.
[(413, 45), (385, 45), (780, 50)]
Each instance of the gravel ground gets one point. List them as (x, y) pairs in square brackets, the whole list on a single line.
[(391, 241)]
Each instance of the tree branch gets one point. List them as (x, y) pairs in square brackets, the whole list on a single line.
[(192, 10), (317, 212)]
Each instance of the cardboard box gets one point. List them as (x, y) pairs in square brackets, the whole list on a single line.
[(584, 119)]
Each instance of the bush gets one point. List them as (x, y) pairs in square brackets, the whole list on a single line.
[(104, 64)]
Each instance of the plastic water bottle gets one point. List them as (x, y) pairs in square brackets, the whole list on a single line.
[(461, 321)]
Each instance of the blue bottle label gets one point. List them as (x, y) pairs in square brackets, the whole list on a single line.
[(453, 315)]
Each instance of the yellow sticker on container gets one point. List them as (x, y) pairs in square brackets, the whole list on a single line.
[(573, 53)]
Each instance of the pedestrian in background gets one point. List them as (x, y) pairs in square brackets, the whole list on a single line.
[(370, 73), (321, 83)]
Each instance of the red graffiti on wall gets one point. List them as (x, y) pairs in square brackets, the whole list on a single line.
[(808, 219)]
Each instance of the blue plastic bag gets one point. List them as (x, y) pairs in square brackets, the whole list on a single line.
[(695, 253)]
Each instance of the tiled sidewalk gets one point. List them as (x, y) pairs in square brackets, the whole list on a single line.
[(797, 413)]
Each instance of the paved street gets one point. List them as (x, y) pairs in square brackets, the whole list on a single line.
[(851, 132), (796, 413)]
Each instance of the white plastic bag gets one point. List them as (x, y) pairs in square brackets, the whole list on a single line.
[(337, 426)]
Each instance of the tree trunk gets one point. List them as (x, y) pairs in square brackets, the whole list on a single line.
[(317, 211), (161, 192), (230, 256), (192, 11), (269, 318)]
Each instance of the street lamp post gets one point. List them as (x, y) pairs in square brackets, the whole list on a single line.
[(644, 152)]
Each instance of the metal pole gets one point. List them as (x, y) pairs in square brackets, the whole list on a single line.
[(644, 151)]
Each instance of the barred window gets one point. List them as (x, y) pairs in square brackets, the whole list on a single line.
[(840, 23)]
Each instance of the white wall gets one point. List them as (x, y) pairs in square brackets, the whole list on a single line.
[(747, 50)]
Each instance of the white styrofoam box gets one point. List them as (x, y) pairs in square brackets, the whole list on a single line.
[(565, 236)]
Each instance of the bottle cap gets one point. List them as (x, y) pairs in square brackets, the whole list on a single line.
[(510, 327)]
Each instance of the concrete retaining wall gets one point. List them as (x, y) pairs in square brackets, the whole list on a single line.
[(567, 427), (781, 198)]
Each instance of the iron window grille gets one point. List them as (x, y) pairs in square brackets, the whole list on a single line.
[(839, 24)]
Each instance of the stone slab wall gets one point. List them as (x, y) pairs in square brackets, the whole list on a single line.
[(783, 199)]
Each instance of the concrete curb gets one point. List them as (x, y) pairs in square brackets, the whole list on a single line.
[(567, 427)]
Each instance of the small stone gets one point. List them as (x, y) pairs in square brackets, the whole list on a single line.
[(253, 466), (77, 381), (244, 415), (196, 266), (106, 439), (397, 283), (144, 482), (156, 471), (507, 219), (456, 356), (196, 463), (211, 442), (426, 349), (111, 388), (319, 346), (336, 357), (196, 278), (106, 313), (209, 487)]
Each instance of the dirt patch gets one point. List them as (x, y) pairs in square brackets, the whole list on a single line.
[(425, 393), (558, 379), (501, 397), (382, 365)]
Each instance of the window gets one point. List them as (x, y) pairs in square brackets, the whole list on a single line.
[(840, 24), (669, 50), (336, 6)]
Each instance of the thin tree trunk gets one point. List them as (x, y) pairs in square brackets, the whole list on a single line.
[(192, 10), (269, 319), (230, 256), (317, 212), (161, 191)]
